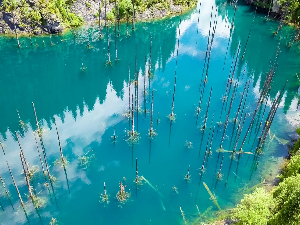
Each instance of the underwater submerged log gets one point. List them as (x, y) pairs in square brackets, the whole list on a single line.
[(104, 196), (44, 154), (230, 36), (235, 121), (183, 217), (283, 17), (204, 126), (257, 128), (7, 192), (227, 118), (206, 114), (233, 72), (198, 109), (212, 197), (26, 174), (152, 132), (239, 128), (265, 130), (63, 159), (19, 195), (264, 91), (224, 100), (172, 116), (207, 153), (223, 135)]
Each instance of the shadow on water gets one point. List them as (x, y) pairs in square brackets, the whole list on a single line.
[(55, 82)]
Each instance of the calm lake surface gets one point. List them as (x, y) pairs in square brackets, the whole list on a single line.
[(88, 106)]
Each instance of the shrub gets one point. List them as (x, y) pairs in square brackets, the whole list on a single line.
[(287, 201), (255, 208), (292, 168), (183, 2), (281, 206), (76, 21), (88, 5), (296, 147), (110, 16), (125, 8), (293, 9), (298, 130), (35, 15)]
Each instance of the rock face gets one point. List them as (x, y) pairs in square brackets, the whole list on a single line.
[(54, 28), (275, 7), (3, 24), (6, 23), (158, 13), (88, 9), (11, 21)]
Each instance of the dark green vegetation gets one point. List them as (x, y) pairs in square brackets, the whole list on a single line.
[(264, 4), (289, 9), (293, 10), (279, 206)]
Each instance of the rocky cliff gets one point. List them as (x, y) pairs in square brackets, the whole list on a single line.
[(266, 4)]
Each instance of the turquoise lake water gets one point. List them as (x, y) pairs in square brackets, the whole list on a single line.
[(89, 106)]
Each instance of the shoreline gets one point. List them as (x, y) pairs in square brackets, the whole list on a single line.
[(89, 17), (96, 23)]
